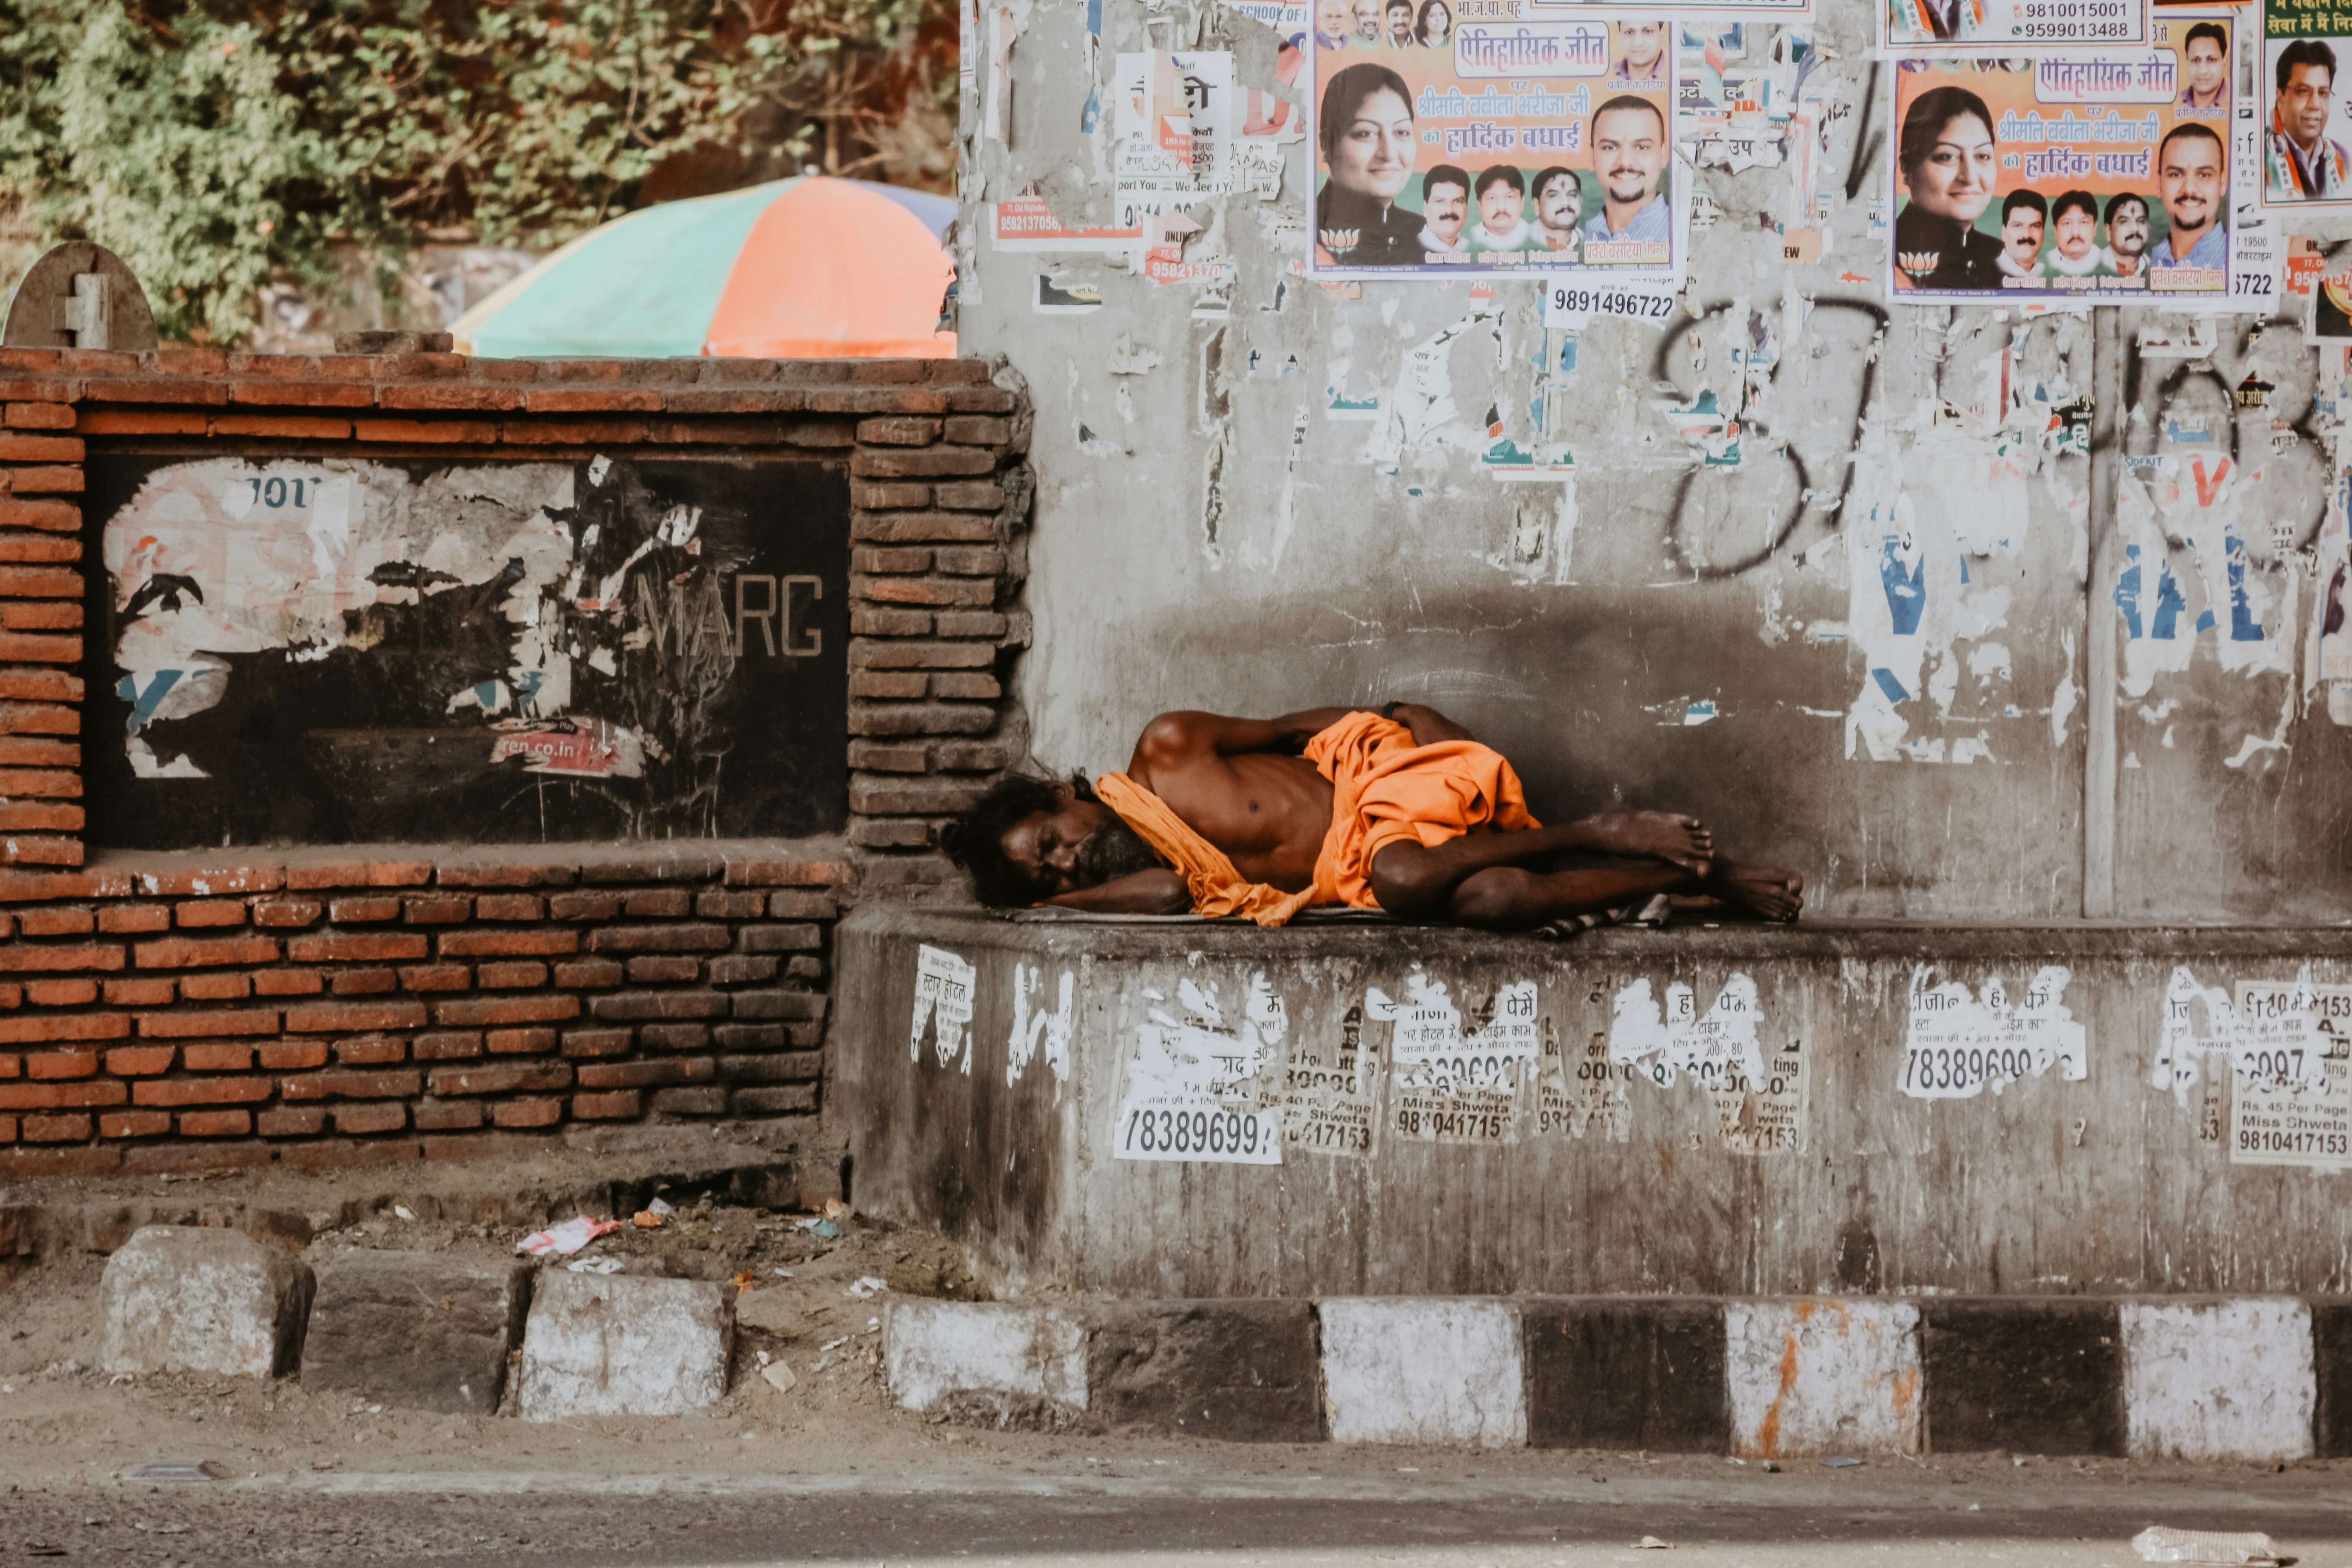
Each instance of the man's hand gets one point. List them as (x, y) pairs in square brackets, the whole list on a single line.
[(1159, 891), (1428, 725)]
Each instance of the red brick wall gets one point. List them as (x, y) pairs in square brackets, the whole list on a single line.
[(319, 1008)]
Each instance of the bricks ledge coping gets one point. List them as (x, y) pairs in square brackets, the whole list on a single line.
[(748, 863)]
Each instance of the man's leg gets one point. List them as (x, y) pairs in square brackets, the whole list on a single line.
[(1506, 898)]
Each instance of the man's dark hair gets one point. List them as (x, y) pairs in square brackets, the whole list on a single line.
[(2192, 128), (1923, 124), (2073, 201), (1499, 175), (2209, 30), (1443, 175), (2119, 198), (1554, 173), (2306, 52), (1625, 101), (2016, 199), (975, 840)]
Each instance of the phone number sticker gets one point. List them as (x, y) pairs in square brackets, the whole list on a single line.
[(2278, 1116)]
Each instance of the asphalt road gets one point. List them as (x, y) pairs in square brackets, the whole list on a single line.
[(1219, 1513)]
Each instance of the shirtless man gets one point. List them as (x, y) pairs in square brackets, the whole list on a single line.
[(1236, 817)]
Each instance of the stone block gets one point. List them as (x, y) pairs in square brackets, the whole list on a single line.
[(2031, 1374), (2219, 1380), (1241, 1370), (610, 1344), (1617, 1372), (1446, 1372), (421, 1330), (1810, 1377), (990, 1362), (179, 1299)]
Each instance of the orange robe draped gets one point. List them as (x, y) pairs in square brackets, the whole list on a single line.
[(1384, 790)]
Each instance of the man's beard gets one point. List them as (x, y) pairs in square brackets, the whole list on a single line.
[(1115, 850)]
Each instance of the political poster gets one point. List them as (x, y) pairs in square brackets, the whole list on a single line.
[(2073, 175), (1480, 144), (2306, 126)]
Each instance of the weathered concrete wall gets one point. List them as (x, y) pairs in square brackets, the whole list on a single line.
[(1634, 1147), (1215, 528)]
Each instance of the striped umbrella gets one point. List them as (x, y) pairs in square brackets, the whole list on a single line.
[(801, 269)]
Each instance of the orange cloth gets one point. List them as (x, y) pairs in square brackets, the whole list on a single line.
[(1384, 790)]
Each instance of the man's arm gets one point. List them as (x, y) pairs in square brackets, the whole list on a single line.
[(1187, 734), (1159, 891)]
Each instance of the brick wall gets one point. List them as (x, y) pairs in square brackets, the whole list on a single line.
[(169, 1011)]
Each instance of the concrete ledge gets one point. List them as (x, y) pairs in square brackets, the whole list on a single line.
[(1789, 1378), (1198, 1109)]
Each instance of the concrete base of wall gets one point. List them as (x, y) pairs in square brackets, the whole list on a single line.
[(1181, 1109), (2250, 1378)]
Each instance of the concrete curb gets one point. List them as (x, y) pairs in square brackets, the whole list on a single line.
[(2250, 1378)]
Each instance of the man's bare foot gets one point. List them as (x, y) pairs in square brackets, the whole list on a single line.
[(1766, 891), (1654, 835)]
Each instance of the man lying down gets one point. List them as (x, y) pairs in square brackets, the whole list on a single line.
[(1396, 809)]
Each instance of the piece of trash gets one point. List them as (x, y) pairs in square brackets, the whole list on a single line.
[(835, 1345), (402, 1211), (647, 1220), (1840, 1463), (180, 1470), (566, 1239), (823, 1227), (779, 1377), (594, 1266), (781, 1273), (1651, 1543), (2245, 1549), (1770, 1469), (835, 1209), (660, 1207), (867, 1287), (743, 1279)]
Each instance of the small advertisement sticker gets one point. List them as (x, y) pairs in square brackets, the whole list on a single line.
[(2279, 1117), (1973, 27)]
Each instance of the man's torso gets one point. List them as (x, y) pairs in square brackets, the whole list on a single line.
[(1268, 813)]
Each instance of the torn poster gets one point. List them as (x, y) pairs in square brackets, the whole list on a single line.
[(1033, 1027), (1326, 1106), (943, 983), (2278, 1042), (2081, 176), (1497, 146), (1590, 1098), (1026, 223), (1764, 1114), (1173, 130), (2288, 1118), (1666, 1043), (1975, 27), (1193, 1091), (1958, 1045), (1451, 1085), (325, 650)]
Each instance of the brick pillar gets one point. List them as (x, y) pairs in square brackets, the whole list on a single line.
[(40, 620), (938, 499)]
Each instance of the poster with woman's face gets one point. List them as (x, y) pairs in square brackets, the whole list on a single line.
[(2087, 176), (1470, 142)]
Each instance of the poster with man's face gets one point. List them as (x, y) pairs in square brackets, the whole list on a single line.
[(1459, 141), (2306, 127), (2075, 176)]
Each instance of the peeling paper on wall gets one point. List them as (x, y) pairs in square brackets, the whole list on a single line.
[(1759, 1103), (1326, 1106), (1958, 1045), (1590, 1098), (1192, 1091), (2277, 1041), (1033, 1025), (943, 995), (1449, 1084)]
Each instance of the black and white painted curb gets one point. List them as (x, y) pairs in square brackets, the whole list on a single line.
[(2253, 1377)]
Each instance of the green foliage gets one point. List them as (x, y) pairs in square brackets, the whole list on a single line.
[(224, 143)]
